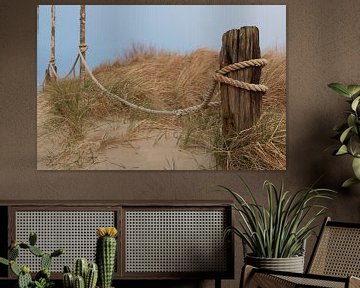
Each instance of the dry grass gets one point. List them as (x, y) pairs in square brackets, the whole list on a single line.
[(163, 80)]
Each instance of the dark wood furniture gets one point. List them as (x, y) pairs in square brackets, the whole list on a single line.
[(157, 240)]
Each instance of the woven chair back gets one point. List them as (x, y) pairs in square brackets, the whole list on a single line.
[(337, 252)]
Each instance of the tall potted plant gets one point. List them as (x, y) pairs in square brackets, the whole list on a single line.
[(276, 233), (349, 131)]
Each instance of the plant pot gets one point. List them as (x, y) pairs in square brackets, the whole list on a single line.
[(291, 264)]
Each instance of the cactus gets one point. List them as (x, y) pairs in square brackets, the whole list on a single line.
[(68, 280), (24, 278), (45, 261), (36, 251), (89, 272), (80, 267), (14, 268), (91, 276), (106, 254), (79, 282), (32, 238), (67, 269), (13, 253), (24, 246), (44, 273), (57, 252)]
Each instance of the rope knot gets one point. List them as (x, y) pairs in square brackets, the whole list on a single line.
[(83, 48)]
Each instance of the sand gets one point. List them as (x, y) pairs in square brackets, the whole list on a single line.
[(115, 144)]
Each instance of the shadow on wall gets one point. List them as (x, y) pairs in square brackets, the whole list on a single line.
[(333, 169)]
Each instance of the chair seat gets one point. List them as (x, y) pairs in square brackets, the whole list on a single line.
[(314, 282), (268, 279)]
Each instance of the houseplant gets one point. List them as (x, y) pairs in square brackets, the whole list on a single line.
[(106, 254), (349, 131), (42, 278), (84, 274), (276, 233)]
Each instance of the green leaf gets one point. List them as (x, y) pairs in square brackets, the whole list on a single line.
[(355, 103), (340, 127), (340, 88), (354, 90), (351, 120), (279, 228), (349, 182), (345, 134), (4, 261), (354, 145), (356, 167), (342, 150)]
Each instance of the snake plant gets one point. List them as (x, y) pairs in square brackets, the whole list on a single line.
[(349, 131), (279, 228)]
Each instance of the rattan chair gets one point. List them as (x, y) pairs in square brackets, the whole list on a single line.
[(334, 263)]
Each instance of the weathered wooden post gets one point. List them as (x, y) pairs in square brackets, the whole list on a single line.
[(83, 47), (241, 108)]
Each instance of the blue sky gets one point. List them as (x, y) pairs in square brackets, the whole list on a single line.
[(112, 29)]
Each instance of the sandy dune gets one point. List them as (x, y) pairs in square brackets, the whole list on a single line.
[(117, 145)]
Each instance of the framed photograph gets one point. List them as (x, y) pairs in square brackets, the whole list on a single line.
[(161, 87)]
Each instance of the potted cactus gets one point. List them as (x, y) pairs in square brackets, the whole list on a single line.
[(106, 254), (42, 278), (85, 275)]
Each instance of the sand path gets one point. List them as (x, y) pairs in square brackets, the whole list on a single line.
[(117, 145), (129, 149)]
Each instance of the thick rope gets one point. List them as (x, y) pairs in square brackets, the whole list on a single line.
[(52, 69), (178, 112), (219, 76), (72, 67)]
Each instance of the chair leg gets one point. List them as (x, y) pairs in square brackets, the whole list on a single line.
[(217, 282), (246, 274)]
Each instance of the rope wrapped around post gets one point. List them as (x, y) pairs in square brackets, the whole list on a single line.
[(219, 75)]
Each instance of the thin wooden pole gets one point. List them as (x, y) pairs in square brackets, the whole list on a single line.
[(52, 61), (240, 108), (82, 46)]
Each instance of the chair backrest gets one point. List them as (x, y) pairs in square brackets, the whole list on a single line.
[(337, 251)]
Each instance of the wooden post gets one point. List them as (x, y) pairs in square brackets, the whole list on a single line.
[(52, 61), (82, 46), (240, 108)]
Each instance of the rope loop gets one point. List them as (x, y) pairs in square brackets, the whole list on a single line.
[(220, 75)]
